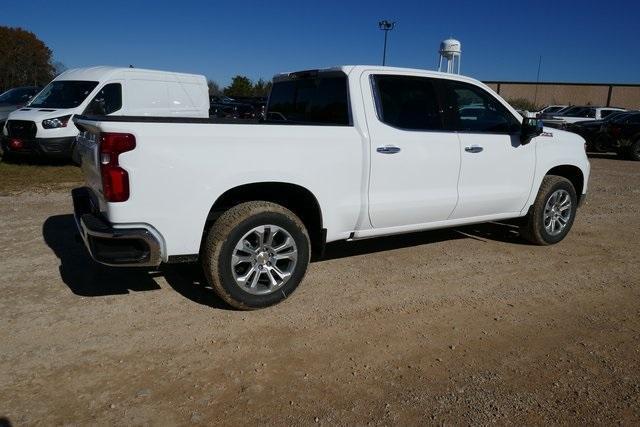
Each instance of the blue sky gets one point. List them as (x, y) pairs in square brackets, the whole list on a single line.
[(585, 41)]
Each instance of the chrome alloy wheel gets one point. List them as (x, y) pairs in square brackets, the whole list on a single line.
[(264, 259), (557, 212)]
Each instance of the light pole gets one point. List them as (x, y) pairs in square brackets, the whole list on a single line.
[(385, 26)]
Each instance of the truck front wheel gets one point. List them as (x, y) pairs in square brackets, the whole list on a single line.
[(553, 212), (256, 254)]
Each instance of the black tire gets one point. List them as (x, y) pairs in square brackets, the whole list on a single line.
[(600, 145), (533, 228), (622, 153), (634, 151), (230, 229)]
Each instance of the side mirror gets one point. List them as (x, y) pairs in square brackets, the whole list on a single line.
[(531, 127)]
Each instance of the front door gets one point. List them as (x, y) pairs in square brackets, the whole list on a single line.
[(496, 173)]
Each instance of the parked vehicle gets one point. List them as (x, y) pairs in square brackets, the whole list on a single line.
[(352, 152), (564, 110), (45, 126), (577, 114), (594, 132), (625, 133), (15, 98), (225, 107), (551, 109), (553, 120)]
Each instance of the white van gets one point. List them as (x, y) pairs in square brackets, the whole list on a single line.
[(45, 126)]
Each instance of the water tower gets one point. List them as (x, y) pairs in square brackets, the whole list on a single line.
[(450, 56)]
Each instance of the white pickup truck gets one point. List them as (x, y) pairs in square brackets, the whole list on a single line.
[(351, 152)]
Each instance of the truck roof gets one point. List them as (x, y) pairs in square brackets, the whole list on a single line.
[(100, 73), (347, 69)]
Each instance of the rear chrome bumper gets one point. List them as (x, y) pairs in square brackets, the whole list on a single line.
[(121, 247)]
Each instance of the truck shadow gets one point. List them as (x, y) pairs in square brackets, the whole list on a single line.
[(80, 273), (491, 231), (87, 278)]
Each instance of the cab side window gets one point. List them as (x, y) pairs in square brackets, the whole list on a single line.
[(107, 101), (471, 109), (407, 102)]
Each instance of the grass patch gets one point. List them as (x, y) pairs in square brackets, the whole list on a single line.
[(16, 177)]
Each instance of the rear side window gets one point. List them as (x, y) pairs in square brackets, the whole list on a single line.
[(407, 102), (471, 109), (320, 99), (107, 101)]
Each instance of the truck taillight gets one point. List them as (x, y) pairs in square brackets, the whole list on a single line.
[(115, 180)]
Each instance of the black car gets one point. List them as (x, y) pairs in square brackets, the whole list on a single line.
[(225, 107), (593, 131), (625, 134), (15, 98)]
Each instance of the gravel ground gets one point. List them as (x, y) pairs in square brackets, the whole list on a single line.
[(465, 326)]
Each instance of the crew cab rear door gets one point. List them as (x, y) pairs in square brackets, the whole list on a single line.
[(414, 161)]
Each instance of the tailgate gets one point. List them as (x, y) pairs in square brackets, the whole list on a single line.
[(88, 155)]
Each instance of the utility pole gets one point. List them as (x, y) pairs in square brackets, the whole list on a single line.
[(385, 26), (535, 96)]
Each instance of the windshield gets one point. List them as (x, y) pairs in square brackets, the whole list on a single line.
[(63, 94), (564, 111), (553, 109), (576, 112), (17, 96)]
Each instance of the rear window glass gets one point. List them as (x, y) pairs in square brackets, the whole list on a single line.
[(320, 99)]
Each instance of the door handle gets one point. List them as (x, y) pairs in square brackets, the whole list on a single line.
[(388, 149), (473, 149)]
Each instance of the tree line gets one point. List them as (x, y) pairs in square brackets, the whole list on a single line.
[(241, 86), (26, 60)]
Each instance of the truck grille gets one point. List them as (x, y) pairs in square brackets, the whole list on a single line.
[(21, 129)]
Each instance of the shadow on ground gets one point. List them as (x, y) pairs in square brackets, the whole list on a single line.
[(610, 156), (87, 278), (83, 275), (494, 231), (34, 160)]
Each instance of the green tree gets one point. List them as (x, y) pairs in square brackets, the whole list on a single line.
[(240, 86), (261, 88), (24, 59)]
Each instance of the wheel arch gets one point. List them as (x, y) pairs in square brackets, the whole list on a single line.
[(571, 172), (298, 199)]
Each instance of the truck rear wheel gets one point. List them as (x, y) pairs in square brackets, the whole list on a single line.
[(256, 254), (552, 213)]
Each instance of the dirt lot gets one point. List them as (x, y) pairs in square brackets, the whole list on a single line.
[(468, 326)]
